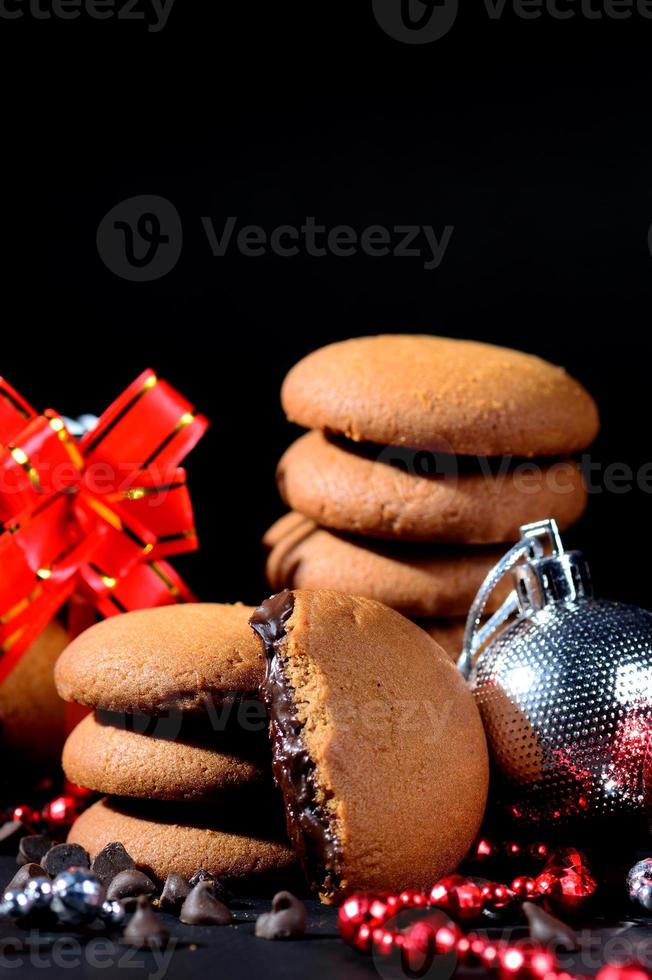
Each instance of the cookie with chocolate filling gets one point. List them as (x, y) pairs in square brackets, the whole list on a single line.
[(179, 657), (378, 747)]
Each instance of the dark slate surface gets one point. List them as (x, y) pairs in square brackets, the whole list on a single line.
[(233, 951)]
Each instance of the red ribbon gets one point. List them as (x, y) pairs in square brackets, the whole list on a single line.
[(92, 519)]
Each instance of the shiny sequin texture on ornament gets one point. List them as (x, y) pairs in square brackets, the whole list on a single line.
[(564, 689)]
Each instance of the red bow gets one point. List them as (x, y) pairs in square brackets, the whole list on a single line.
[(93, 518)]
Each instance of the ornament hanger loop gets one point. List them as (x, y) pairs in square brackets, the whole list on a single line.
[(535, 540)]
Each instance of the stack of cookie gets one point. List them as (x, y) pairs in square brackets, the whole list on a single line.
[(425, 457), (178, 743)]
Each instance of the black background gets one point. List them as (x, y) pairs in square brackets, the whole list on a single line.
[(532, 138)]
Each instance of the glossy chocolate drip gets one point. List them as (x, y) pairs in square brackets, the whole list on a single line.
[(309, 824)]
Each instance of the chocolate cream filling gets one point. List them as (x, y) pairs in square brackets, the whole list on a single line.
[(309, 823)]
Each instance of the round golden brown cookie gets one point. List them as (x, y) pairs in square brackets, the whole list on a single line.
[(161, 840), (174, 657), (32, 715), (453, 396), (448, 633), (390, 492), (383, 768), (160, 759), (417, 580)]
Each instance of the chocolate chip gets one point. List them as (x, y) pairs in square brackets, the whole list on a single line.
[(145, 929), (175, 891), (287, 920), (33, 848), (24, 874), (10, 834), (201, 908), (548, 930), (130, 883), (63, 856), (220, 891), (110, 861)]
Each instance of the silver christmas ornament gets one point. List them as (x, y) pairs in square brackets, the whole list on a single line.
[(639, 883), (563, 682), (77, 896)]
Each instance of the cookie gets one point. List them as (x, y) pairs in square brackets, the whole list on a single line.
[(378, 747), (451, 396), (390, 492), (162, 840), (32, 715), (109, 754), (417, 580), (171, 658)]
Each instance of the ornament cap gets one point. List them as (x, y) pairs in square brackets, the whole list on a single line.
[(543, 573), (562, 577)]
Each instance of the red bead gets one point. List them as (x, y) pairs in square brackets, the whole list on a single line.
[(524, 887), (60, 812), (623, 971), (567, 882), (458, 896), (527, 963), (541, 963), (383, 941), (512, 960), (538, 850), (425, 939), (446, 938), (567, 858), (419, 938), (497, 895), (463, 948), (24, 814), (546, 884), (513, 848), (411, 899), (484, 849), (79, 792), (379, 910), (352, 913), (476, 948), (362, 939), (489, 955)]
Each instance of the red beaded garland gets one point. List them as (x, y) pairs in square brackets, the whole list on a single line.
[(566, 882), (524, 887), (458, 896), (60, 812), (352, 914), (623, 971), (24, 814), (497, 895)]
